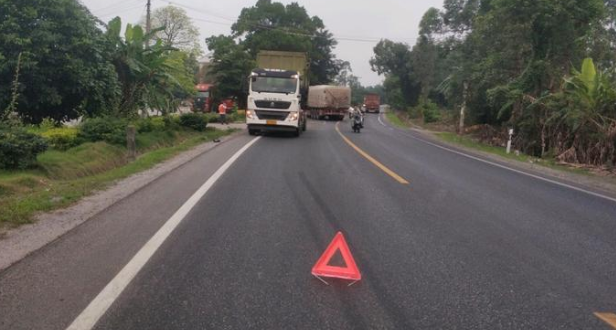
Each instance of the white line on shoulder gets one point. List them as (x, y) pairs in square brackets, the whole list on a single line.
[(511, 169), (97, 308)]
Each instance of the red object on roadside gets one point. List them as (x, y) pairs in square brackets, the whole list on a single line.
[(322, 269)]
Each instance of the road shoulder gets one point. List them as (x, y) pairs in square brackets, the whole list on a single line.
[(589, 181), (18, 243)]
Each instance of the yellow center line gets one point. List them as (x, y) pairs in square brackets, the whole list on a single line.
[(608, 318), (371, 159)]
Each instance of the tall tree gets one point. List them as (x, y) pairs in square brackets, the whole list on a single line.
[(177, 29), (393, 60), (230, 67), (274, 26), (64, 70)]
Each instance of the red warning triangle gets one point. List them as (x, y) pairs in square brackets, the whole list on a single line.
[(322, 269)]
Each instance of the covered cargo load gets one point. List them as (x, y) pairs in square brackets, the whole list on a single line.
[(329, 97), (290, 61)]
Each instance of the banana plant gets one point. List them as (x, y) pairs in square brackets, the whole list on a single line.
[(592, 96), (142, 69)]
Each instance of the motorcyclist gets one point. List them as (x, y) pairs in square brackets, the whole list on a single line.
[(361, 116), (357, 121)]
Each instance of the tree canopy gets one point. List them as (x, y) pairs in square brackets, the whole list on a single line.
[(517, 58), (273, 26), (64, 69), (177, 29)]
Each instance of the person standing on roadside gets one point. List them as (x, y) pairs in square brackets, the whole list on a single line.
[(222, 112)]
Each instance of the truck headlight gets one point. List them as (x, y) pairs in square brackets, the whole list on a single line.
[(250, 114), (293, 116)]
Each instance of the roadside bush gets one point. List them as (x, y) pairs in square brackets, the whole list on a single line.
[(18, 148), (195, 121), (170, 122), (144, 125), (62, 138), (107, 129), (212, 117), (426, 109)]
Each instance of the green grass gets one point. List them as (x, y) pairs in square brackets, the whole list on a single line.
[(65, 177), (393, 118)]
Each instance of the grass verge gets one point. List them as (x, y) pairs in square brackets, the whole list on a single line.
[(393, 118), (65, 177), (470, 143)]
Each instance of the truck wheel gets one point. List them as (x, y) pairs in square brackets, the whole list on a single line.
[(297, 132), (252, 132)]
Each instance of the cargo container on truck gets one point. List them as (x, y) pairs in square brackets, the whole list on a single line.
[(372, 103), (328, 101), (275, 93)]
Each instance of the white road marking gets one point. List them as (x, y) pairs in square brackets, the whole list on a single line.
[(382, 123), (511, 169), (97, 308)]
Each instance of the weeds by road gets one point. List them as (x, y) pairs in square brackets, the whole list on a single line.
[(470, 143), (63, 177)]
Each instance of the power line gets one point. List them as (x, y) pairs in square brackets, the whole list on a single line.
[(210, 13), (261, 26), (120, 11), (115, 7)]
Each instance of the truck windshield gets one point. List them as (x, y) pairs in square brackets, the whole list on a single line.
[(274, 85)]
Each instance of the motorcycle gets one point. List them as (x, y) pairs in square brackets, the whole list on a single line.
[(357, 123)]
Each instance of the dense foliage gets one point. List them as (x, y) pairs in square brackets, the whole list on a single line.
[(64, 71), (519, 61), (56, 62), (18, 148), (195, 121)]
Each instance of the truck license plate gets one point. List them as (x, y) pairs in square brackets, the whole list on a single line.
[(271, 122)]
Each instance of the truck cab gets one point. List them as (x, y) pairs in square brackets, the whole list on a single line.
[(274, 102), (202, 101)]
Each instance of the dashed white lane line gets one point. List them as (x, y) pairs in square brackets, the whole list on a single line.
[(561, 184), (97, 308)]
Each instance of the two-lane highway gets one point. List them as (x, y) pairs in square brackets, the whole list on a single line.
[(456, 244)]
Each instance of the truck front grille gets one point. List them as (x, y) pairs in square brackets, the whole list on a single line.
[(274, 115), (273, 104)]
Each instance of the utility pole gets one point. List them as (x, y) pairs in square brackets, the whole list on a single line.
[(148, 23)]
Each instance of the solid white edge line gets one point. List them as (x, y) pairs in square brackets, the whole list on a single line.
[(99, 306), (382, 123), (512, 169)]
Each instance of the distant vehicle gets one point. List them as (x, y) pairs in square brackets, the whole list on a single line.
[(372, 103), (328, 101), (202, 102), (275, 93)]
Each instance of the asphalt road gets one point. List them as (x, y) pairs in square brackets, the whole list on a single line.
[(464, 245)]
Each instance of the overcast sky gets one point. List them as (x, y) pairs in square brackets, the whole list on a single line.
[(367, 20)]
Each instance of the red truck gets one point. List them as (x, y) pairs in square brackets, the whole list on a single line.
[(202, 101), (372, 103)]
